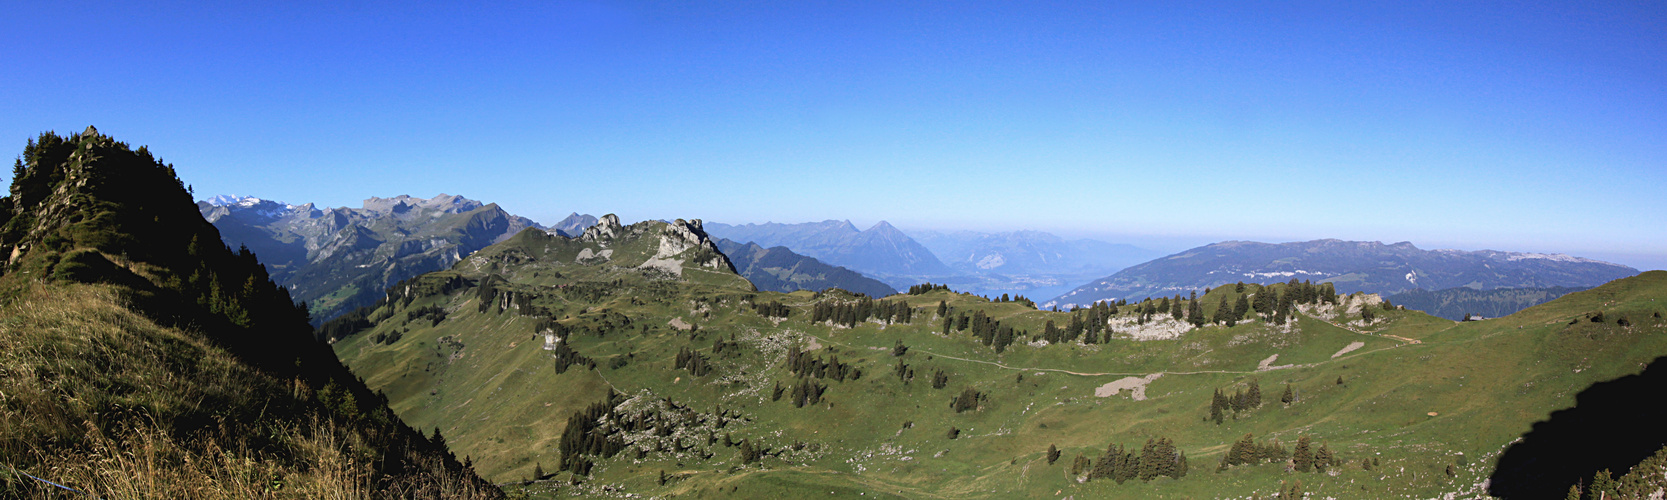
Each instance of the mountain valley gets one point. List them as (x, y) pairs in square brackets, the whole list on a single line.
[(654, 359)]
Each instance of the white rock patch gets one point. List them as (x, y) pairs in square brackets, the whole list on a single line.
[(1135, 385), (1351, 347), (1159, 328)]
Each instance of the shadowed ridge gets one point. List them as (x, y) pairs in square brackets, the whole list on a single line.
[(1613, 425), (88, 212)]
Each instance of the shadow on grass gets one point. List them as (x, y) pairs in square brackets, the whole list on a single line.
[(1613, 425)]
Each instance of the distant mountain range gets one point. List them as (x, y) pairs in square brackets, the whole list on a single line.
[(778, 269), (880, 250), (1456, 303), (338, 259), (1030, 263), (1028, 252), (574, 225), (1371, 267)]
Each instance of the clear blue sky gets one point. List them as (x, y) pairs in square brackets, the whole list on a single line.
[(1513, 126)]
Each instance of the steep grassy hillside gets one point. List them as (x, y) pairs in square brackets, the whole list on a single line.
[(597, 377), (139, 358)]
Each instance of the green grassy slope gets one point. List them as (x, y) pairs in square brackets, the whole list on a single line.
[(1419, 394)]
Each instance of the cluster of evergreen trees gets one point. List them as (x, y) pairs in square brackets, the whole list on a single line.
[(1241, 400), (904, 372), (726, 348), (940, 379), (566, 357), (434, 314), (1159, 458), (987, 330), (1089, 324), (1304, 458), (585, 437), (925, 288), (399, 295), (1016, 298), (1279, 304), (347, 324), (387, 338), (549, 324), (1246, 451), (807, 391), (494, 293), (804, 364), (750, 453), (772, 309), (968, 400), (863, 309), (693, 361)]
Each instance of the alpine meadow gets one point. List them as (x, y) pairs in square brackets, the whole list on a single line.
[(860, 250)]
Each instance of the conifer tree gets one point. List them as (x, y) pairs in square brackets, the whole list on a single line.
[(1224, 313), (1195, 313), (1053, 454), (1218, 403), (1287, 397), (1253, 396), (1242, 452), (1303, 458), (1147, 468), (1323, 459)]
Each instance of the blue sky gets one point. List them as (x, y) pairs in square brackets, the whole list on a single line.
[(1512, 126)]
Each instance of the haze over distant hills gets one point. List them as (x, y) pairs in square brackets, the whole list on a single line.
[(574, 225), (1030, 263), (1028, 252), (340, 258), (778, 269), (1366, 266), (1457, 303), (880, 250)]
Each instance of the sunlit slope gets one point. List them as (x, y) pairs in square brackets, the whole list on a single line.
[(1365, 390)]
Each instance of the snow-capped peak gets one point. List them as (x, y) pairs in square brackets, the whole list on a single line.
[(227, 200), (266, 209)]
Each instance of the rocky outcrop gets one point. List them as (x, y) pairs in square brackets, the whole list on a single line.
[(605, 230)]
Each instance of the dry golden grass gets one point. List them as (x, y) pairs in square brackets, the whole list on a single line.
[(98, 398)]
